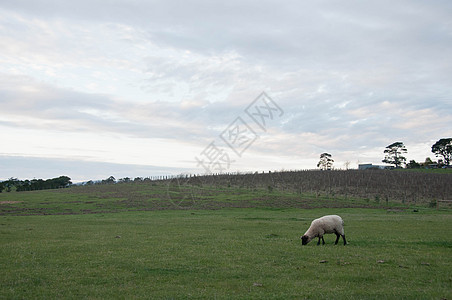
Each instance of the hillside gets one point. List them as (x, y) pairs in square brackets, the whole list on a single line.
[(301, 189)]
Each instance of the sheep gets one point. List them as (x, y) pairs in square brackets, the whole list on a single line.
[(326, 224)]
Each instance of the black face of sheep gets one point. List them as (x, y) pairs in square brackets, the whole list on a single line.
[(304, 240)]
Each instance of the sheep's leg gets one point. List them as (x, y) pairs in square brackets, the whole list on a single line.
[(343, 237), (337, 238), (323, 241), (318, 243)]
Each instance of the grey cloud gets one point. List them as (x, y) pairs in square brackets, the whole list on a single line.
[(313, 57), (36, 105), (22, 96), (289, 35)]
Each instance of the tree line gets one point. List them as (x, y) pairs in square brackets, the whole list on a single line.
[(113, 180), (394, 155), (34, 184)]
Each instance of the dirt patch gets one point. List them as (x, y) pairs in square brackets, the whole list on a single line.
[(10, 202)]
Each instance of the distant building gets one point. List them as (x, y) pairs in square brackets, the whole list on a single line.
[(371, 166), (432, 166)]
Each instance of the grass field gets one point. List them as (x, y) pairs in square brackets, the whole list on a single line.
[(81, 243), (429, 171)]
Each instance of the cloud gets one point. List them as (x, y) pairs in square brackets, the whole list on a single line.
[(30, 104), (350, 77), (291, 29)]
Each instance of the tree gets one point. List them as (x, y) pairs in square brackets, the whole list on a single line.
[(394, 154), (62, 182), (428, 161), (35, 184), (443, 148), (11, 183), (109, 180), (326, 162), (347, 164), (413, 165)]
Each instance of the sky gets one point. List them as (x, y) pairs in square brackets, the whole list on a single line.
[(94, 88)]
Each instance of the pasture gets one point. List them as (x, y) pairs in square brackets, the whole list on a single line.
[(236, 244)]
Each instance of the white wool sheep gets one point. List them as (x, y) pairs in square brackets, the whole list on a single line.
[(327, 224)]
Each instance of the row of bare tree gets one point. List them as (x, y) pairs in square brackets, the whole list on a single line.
[(380, 185)]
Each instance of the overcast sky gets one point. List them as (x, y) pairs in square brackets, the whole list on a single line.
[(93, 88)]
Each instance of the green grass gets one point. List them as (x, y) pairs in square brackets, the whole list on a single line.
[(169, 195), (240, 253)]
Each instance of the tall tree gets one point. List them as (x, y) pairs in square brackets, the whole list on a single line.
[(326, 162), (393, 154), (443, 148)]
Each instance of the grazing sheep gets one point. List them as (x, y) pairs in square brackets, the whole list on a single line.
[(327, 224)]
